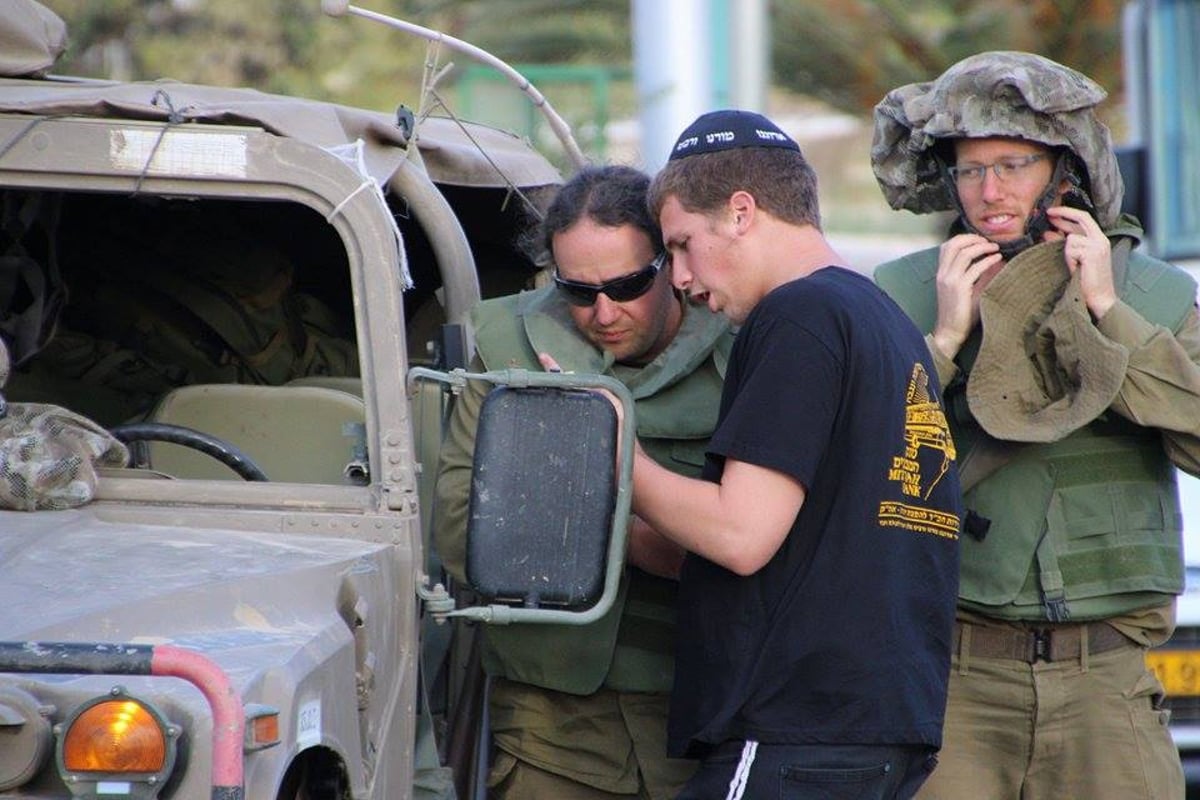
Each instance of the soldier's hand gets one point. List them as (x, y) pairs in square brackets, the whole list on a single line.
[(1088, 253), (965, 265), (551, 365)]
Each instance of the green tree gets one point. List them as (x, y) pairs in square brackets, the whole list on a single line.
[(290, 47), (850, 53), (281, 46), (846, 52)]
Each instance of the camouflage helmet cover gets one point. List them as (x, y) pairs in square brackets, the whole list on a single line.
[(997, 93)]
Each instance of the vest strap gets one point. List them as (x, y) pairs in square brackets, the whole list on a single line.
[(1054, 595)]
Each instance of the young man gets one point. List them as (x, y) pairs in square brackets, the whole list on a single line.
[(816, 602), (581, 712), (1072, 367)]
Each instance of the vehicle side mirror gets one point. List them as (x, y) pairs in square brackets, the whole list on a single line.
[(549, 501), (543, 492)]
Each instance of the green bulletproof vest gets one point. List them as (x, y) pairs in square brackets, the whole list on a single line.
[(676, 398), (1086, 527)]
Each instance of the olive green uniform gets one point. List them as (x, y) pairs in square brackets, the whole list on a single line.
[(586, 704), (1078, 535)]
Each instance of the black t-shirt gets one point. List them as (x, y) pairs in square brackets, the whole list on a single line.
[(844, 636)]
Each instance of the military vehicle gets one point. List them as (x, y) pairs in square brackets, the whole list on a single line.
[(222, 275), (235, 286)]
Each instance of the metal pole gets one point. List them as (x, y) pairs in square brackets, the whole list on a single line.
[(672, 70), (750, 54)]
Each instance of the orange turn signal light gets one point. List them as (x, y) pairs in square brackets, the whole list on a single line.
[(265, 731), (115, 736), (262, 727)]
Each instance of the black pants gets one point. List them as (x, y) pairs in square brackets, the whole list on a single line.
[(752, 771)]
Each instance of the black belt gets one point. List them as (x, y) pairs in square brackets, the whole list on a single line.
[(1052, 643)]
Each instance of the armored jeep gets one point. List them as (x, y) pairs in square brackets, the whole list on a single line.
[(235, 285)]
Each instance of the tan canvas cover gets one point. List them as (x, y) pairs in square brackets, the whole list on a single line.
[(32, 37), (450, 154)]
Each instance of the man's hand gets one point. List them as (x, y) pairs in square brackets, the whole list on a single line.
[(647, 549), (1088, 253), (548, 363), (965, 265)]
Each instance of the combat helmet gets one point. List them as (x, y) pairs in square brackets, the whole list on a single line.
[(1000, 93)]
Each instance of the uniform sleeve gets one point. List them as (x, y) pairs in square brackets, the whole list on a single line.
[(1162, 383), (945, 366), (452, 492)]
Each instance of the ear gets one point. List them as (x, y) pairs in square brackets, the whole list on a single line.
[(742, 207)]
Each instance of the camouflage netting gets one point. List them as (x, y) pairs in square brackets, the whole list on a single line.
[(49, 456), (991, 94)]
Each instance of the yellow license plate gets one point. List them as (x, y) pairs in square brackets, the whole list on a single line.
[(1178, 670)]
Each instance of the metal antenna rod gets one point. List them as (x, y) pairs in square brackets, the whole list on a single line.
[(337, 8)]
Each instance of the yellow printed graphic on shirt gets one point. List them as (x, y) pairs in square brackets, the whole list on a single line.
[(925, 428)]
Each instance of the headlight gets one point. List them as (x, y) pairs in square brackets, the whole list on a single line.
[(24, 737), (115, 736), (117, 744)]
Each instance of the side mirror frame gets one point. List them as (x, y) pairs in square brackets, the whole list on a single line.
[(503, 614)]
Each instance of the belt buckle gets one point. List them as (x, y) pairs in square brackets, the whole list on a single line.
[(1041, 645)]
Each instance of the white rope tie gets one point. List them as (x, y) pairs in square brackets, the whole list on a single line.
[(353, 155), (367, 184)]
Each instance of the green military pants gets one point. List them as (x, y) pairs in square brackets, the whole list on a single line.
[(517, 780), (1091, 727), (567, 747)]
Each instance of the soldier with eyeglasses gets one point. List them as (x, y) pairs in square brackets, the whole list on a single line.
[(579, 712), (1071, 366)]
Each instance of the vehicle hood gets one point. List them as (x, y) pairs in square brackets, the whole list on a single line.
[(69, 576)]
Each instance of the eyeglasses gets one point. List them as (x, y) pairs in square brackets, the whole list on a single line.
[(1006, 169), (620, 290)]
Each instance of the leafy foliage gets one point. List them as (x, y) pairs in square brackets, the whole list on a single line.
[(848, 53)]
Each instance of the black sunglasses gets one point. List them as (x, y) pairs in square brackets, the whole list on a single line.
[(620, 290)]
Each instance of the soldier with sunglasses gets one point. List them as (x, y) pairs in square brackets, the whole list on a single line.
[(1071, 363), (580, 712)]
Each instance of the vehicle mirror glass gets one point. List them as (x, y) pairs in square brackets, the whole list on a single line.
[(543, 494)]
